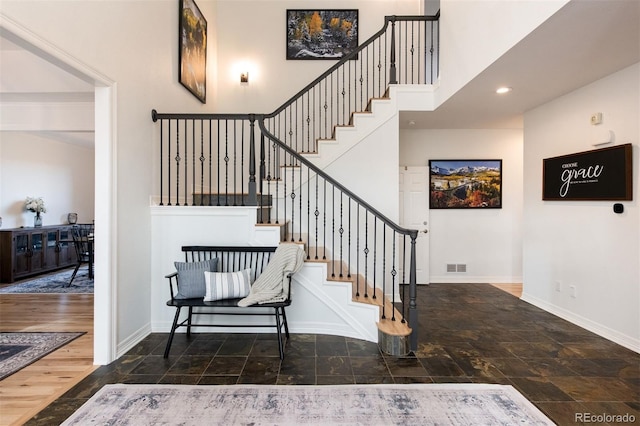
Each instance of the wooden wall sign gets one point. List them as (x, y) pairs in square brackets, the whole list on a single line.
[(601, 174)]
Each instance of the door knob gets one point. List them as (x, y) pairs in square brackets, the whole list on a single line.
[(425, 231)]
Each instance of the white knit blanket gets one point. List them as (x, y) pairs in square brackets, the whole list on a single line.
[(273, 284)]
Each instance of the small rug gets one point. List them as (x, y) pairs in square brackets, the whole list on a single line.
[(415, 404), (17, 350), (54, 283)]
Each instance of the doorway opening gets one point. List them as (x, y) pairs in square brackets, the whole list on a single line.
[(104, 139)]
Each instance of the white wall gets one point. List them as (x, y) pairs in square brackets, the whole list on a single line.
[(33, 166), (488, 241), (584, 243)]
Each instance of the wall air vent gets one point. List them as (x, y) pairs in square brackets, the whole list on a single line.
[(456, 267)]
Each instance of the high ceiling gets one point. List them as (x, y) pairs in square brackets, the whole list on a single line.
[(585, 41)]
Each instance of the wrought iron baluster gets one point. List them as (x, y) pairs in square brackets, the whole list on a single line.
[(300, 193), (413, 306), (252, 165), (210, 195), (393, 277), (375, 254), (349, 241), (341, 232), (202, 158), (333, 230), (404, 276), (358, 249), (324, 221), (366, 253), (384, 267), (226, 162), (162, 159), (293, 203), (242, 203), (235, 161), (308, 210), (283, 169), (193, 163), (186, 165), (308, 125), (219, 139), (316, 213), (276, 161), (177, 163)]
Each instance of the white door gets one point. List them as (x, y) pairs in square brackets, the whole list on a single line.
[(414, 214)]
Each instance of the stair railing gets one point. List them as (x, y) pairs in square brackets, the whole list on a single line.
[(206, 159), (336, 226), (404, 51)]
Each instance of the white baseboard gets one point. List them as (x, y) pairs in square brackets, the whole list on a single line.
[(460, 278), (135, 338), (599, 329)]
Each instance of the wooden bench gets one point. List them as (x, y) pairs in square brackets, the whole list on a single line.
[(230, 259)]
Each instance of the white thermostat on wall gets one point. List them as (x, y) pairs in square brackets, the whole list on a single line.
[(596, 118)]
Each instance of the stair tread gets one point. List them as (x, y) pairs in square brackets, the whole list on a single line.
[(386, 325)]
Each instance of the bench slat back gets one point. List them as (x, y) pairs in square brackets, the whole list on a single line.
[(232, 258)]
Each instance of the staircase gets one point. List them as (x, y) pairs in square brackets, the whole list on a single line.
[(360, 265)]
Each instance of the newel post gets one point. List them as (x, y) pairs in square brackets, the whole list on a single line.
[(252, 200), (413, 294), (392, 57)]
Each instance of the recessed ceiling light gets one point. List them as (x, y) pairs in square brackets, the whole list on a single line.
[(503, 90)]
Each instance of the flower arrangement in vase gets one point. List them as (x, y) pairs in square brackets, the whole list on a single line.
[(36, 205)]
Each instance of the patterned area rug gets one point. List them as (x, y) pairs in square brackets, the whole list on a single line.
[(416, 404), (17, 350), (54, 283)]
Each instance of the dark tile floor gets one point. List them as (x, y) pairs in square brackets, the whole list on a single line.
[(468, 333)]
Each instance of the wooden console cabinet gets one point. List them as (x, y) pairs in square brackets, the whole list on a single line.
[(26, 252)]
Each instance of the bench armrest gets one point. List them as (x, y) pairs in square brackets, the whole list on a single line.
[(171, 283)]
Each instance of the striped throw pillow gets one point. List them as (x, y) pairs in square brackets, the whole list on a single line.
[(227, 285)]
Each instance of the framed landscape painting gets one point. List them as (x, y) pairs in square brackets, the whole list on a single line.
[(465, 184), (193, 49), (321, 33)]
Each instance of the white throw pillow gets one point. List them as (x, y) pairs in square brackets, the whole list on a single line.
[(227, 285)]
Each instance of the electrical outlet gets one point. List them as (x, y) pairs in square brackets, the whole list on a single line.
[(596, 118), (572, 291), (558, 286)]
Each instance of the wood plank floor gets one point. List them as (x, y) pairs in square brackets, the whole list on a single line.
[(514, 288), (26, 392)]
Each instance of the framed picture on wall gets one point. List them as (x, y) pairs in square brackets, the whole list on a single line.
[(600, 174), (321, 33), (193, 49), (465, 184)]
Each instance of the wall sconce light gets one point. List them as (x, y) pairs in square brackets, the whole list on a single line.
[(244, 77)]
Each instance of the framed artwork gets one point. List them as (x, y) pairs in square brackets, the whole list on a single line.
[(321, 33), (601, 174), (193, 49), (465, 184)]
